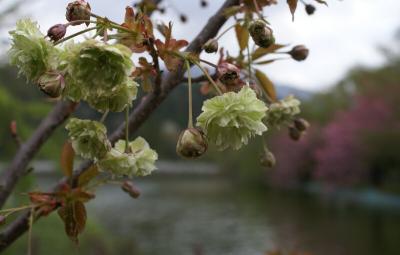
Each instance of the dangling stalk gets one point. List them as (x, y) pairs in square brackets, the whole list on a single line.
[(249, 62), (225, 31), (190, 96), (105, 114), (74, 35), (31, 217), (209, 78), (127, 129)]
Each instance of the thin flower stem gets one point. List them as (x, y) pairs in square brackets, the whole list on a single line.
[(258, 10), (82, 20), (105, 114), (127, 129), (225, 31), (190, 121), (209, 78), (31, 218), (208, 63), (75, 35), (249, 61)]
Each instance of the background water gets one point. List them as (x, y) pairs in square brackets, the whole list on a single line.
[(212, 216)]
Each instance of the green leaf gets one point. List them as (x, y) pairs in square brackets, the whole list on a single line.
[(242, 35), (292, 6), (67, 159), (260, 52), (266, 84)]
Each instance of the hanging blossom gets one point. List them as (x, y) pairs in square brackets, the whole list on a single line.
[(99, 74), (89, 138), (231, 119), (139, 160), (30, 51), (283, 111)]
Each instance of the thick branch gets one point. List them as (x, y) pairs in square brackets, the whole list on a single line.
[(148, 104)]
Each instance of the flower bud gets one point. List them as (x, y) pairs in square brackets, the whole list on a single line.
[(262, 35), (57, 32), (51, 83), (203, 3), (268, 159), (131, 189), (310, 9), (78, 10), (191, 143), (228, 73), (211, 46), (301, 124), (294, 133), (299, 53)]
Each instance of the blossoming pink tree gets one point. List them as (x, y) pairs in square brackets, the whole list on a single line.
[(100, 71)]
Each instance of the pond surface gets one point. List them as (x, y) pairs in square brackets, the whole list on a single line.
[(210, 216)]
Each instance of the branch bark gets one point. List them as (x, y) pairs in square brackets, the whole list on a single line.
[(148, 104)]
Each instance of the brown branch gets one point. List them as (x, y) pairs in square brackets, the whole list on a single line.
[(10, 176), (148, 104)]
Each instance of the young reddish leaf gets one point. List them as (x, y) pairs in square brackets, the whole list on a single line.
[(260, 52), (67, 159), (292, 6), (266, 84), (73, 214), (88, 175), (242, 35)]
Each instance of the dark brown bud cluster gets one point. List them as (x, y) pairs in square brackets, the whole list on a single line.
[(78, 10), (228, 74), (310, 9), (130, 188), (57, 32), (299, 52), (211, 46), (299, 127), (191, 143), (262, 34)]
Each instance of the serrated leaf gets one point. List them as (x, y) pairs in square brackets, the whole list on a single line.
[(266, 84), (88, 175), (321, 2), (73, 214), (242, 35), (292, 6), (67, 159), (260, 52)]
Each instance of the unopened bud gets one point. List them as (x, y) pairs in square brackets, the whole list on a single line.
[(228, 73), (203, 3), (301, 124), (299, 52), (130, 188), (310, 9), (268, 159), (57, 32), (262, 35), (211, 46), (51, 83), (78, 10), (191, 143), (294, 133)]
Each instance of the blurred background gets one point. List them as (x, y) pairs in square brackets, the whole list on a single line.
[(337, 191)]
